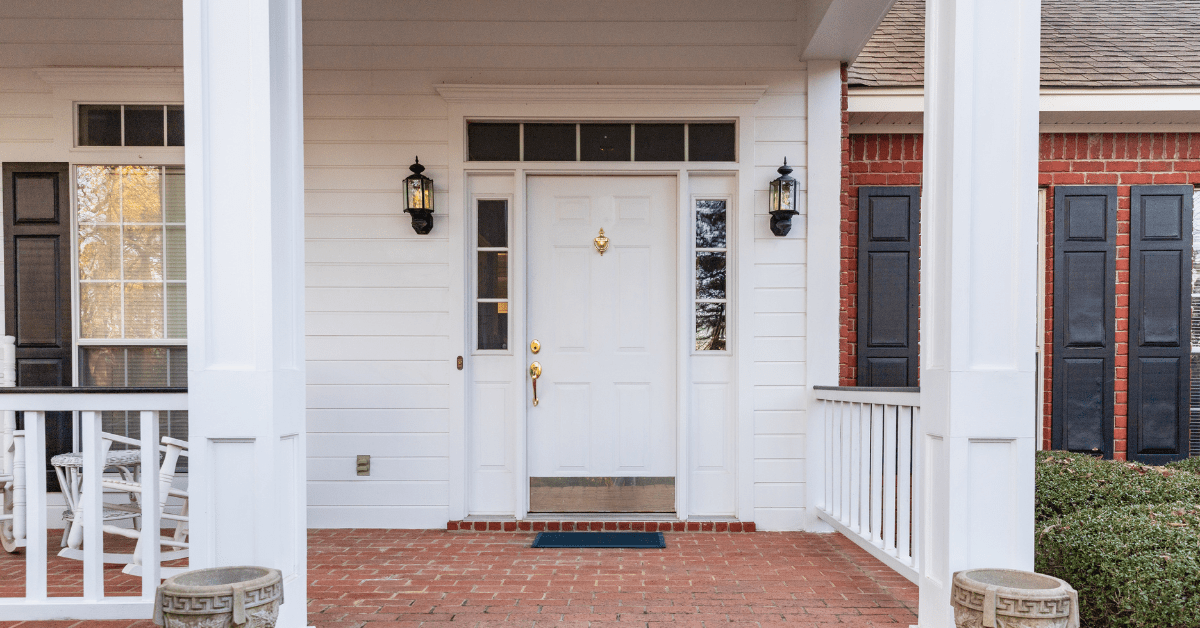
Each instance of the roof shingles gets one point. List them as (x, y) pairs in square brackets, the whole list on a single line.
[(1085, 43)]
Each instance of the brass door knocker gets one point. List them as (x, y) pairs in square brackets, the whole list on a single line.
[(601, 242)]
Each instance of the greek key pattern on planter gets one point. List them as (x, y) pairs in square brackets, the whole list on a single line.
[(263, 617), (1056, 607), (219, 621), (210, 603)]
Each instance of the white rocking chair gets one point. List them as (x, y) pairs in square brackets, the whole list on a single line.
[(131, 508)]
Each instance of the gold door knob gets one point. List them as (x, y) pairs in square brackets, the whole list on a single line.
[(535, 371)]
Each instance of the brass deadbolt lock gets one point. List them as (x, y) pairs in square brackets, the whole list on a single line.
[(535, 346), (364, 465)]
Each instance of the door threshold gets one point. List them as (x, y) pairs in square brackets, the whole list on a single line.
[(598, 521), (602, 516)]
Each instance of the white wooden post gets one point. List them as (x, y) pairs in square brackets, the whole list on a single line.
[(978, 291), (823, 273), (35, 504), (245, 247)]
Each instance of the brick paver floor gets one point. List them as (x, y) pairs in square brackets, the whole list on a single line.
[(393, 579), (427, 578)]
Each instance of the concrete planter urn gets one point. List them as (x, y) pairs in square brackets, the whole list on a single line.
[(1008, 598), (221, 597)]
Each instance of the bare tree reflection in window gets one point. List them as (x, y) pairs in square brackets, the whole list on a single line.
[(711, 257), (710, 326), (710, 224)]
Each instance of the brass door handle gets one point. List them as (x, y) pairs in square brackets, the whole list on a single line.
[(535, 371)]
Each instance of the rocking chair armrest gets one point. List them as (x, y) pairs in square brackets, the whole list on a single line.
[(166, 440), (136, 487), (182, 444), (117, 438)]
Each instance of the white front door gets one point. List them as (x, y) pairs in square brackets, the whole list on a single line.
[(607, 328)]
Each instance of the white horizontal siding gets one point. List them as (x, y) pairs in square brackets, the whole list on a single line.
[(378, 296), (777, 374), (371, 107)]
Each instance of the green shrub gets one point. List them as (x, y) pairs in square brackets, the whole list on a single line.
[(1067, 482), (1134, 566), (1187, 465)]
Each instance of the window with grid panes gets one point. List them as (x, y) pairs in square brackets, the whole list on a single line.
[(132, 285)]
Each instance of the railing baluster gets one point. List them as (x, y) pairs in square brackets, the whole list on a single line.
[(20, 495), (90, 514), (856, 438), (836, 509), (889, 476), (148, 544), (864, 469), (826, 408), (35, 503), (904, 501), (878, 412), (847, 440)]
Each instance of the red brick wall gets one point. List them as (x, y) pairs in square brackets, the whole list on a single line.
[(879, 159), (1121, 159)]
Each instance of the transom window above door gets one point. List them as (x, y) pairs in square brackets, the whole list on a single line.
[(601, 141)]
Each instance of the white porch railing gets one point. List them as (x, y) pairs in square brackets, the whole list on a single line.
[(89, 402), (872, 470)]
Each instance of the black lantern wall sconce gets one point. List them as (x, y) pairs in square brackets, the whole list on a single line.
[(418, 195), (783, 201)]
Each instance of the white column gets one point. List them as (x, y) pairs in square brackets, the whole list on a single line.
[(978, 291), (824, 264), (245, 243)]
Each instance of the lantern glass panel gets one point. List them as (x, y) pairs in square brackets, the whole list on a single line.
[(787, 195), (420, 193)]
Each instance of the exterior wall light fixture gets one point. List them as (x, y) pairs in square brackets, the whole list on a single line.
[(418, 195), (783, 201)]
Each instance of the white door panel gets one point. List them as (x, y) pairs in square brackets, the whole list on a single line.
[(606, 323)]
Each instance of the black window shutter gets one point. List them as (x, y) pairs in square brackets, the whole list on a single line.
[(37, 284), (1160, 263), (1085, 275), (889, 231)]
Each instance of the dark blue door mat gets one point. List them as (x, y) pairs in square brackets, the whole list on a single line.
[(636, 540)]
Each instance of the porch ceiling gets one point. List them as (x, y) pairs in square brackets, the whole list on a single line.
[(463, 39)]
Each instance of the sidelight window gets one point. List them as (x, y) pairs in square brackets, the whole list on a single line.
[(492, 275), (712, 298)]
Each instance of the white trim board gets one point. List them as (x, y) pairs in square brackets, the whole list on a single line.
[(141, 77), (707, 94), (867, 129), (912, 99)]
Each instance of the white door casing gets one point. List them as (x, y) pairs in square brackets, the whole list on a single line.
[(606, 324)]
